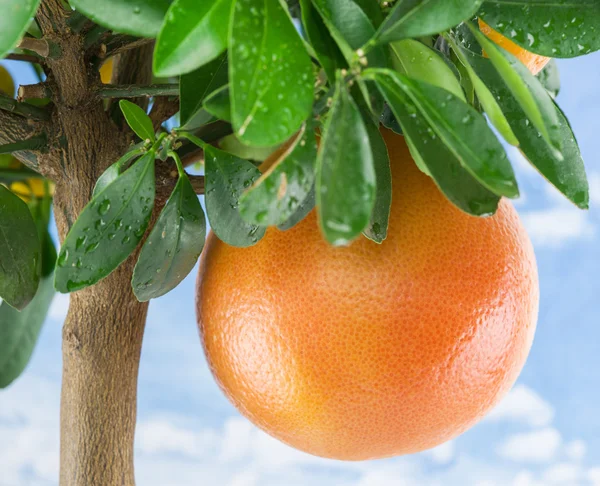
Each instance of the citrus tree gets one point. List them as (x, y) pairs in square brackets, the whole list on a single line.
[(282, 105)]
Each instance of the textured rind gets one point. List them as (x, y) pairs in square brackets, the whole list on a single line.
[(372, 350)]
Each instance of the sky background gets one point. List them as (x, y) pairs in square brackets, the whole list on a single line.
[(545, 432)]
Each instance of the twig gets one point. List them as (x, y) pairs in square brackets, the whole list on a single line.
[(135, 90), (121, 43), (23, 109), (33, 91), (197, 183), (25, 58), (34, 143), (42, 47)]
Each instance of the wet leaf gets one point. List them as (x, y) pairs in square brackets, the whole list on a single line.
[(270, 74), (278, 193), (108, 229), (218, 103), (463, 130), (417, 18), (560, 28), (455, 182), (195, 86), (138, 120), (346, 177), (19, 331), (188, 25), (20, 259), (173, 246), (227, 177), (114, 171), (305, 207), (550, 78), (14, 21), (142, 18), (376, 230)]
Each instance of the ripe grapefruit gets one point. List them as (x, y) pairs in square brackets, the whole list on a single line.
[(534, 62), (371, 350)]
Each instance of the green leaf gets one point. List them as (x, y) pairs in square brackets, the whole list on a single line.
[(173, 246), (218, 103), (270, 74), (488, 102), (114, 171), (195, 86), (301, 212), (14, 21), (138, 120), (345, 174), (455, 182), (278, 193), (418, 18), (418, 61), (19, 332), (232, 145), (108, 229), (464, 131), (188, 25), (372, 9), (142, 18), (550, 78), (326, 50), (557, 28), (566, 173), (376, 230), (20, 257), (526, 88), (227, 177)]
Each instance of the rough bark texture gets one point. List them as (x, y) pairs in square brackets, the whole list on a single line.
[(102, 335)]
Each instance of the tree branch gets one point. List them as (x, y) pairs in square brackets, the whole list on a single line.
[(23, 109), (25, 58), (36, 142), (136, 90), (42, 47), (14, 131), (121, 43), (34, 91)]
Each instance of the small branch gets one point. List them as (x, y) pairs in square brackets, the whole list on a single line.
[(197, 183), (36, 142), (135, 91), (163, 109), (33, 91), (122, 43), (23, 109), (42, 47), (25, 58)]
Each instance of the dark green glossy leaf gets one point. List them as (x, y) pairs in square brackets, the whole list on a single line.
[(557, 28), (345, 173), (550, 78), (108, 229), (173, 246), (14, 21), (227, 177), (416, 60), (114, 171), (388, 120), (278, 193), (138, 120), (231, 144), (376, 230), (373, 11), (526, 88), (142, 18), (305, 207), (19, 332), (195, 86), (218, 103), (193, 34), (445, 169), (326, 50), (270, 74), (417, 18), (19, 251)]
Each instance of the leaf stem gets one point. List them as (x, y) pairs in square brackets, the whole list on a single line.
[(177, 160)]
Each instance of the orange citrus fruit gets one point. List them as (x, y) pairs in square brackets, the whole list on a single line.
[(106, 71), (371, 351), (31, 188), (534, 62), (7, 85)]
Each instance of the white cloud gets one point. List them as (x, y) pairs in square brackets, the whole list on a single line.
[(442, 454), (564, 474), (576, 450), (554, 227), (524, 405), (593, 476), (526, 478), (537, 446), (594, 181)]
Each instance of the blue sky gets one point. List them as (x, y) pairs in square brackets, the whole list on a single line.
[(546, 431)]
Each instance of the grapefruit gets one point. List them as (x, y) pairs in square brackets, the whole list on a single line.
[(371, 351), (534, 62)]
